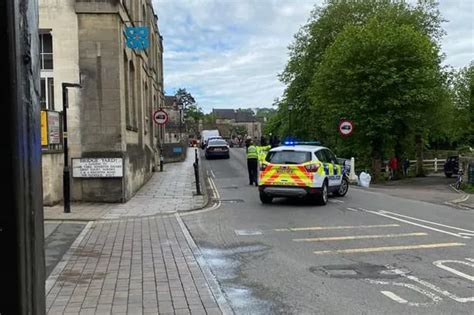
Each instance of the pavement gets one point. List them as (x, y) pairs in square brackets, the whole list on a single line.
[(434, 188), (133, 258), (374, 251)]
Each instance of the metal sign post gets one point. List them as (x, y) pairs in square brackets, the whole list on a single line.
[(160, 117)]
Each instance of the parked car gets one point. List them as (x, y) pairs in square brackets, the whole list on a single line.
[(217, 148), (451, 167)]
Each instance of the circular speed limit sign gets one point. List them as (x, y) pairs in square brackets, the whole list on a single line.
[(160, 117), (346, 127)]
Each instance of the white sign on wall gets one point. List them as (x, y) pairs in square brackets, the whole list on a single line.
[(97, 167)]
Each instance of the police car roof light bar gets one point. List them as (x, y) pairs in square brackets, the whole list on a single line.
[(301, 142)]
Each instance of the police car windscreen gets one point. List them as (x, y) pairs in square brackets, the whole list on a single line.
[(288, 157)]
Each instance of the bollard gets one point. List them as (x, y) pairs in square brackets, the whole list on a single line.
[(352, 174), (161, 162), (196, 175)]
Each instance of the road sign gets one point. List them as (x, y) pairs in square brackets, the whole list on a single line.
[(346, 127), (160, 117)]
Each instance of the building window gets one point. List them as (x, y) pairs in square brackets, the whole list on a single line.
[(46, 64), (146, 107), (46, 51), (133, 96), (47, 92), (127, 86)]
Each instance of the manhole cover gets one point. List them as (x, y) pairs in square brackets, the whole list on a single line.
[(231, 200), (248, 232), (355, 271)]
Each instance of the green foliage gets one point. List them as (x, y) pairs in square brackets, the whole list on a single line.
[(375, 62)]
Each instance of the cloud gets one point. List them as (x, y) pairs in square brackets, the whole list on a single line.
[(228, 53)]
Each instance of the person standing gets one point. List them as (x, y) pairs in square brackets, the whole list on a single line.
[(406, 166), (393, 167), (252, 162), (247, 142)]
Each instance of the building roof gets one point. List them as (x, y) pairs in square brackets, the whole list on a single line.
[(238, 116), (224, 113), (244, 117), (170, 101)]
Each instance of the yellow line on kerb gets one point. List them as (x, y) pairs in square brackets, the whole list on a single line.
[(317, 228), (387, 248), (356, 237)]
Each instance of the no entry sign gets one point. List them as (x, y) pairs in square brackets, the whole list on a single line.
[(346, 127), (160, 117)]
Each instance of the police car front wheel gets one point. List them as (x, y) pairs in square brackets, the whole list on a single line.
[(342, 190)]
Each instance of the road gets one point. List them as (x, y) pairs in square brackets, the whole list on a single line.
[(366, 253)]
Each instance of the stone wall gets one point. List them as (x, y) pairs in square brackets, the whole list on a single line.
[(52, 167)]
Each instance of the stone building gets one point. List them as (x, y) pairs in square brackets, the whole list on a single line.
[(231, 122), (113, 142)]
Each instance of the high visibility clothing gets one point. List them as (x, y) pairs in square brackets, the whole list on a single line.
[(252, 152)]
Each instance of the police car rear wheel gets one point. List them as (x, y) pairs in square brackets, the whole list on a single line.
[(322, 198), (342, 191), (264, 198)]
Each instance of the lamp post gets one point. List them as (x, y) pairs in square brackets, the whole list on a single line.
[(290, 108), (66, 170)]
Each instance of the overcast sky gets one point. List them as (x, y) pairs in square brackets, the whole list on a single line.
[(228, 53)]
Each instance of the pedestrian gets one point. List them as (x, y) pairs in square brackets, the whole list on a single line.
[(406, 166), (393, 165), (263, 141), (252, 163)]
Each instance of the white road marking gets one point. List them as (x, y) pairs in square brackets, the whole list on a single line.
[(356, 237), (352, 209), (413, 223), (335, 201), (212, 174), (440, 264), (386, 248), (433, 297), (394, 297), (431, 286), (426, 221), (318, 228), (466, 234)]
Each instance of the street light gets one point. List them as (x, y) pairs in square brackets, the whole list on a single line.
[(290, 108), (66, 171)]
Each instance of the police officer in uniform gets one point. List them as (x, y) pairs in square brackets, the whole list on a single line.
[(252, 162)]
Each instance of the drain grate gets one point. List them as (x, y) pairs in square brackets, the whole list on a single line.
[(355, 271)]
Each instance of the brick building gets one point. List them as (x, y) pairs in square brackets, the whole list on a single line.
[(110, 117)]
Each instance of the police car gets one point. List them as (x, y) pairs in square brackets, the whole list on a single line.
[(303, 171)]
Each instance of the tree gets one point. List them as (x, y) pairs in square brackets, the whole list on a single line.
[(308, 51), (192, 112), (384, 76), (184, 97), (461, 90)]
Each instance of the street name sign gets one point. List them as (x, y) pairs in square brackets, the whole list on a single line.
[(97, 167)]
